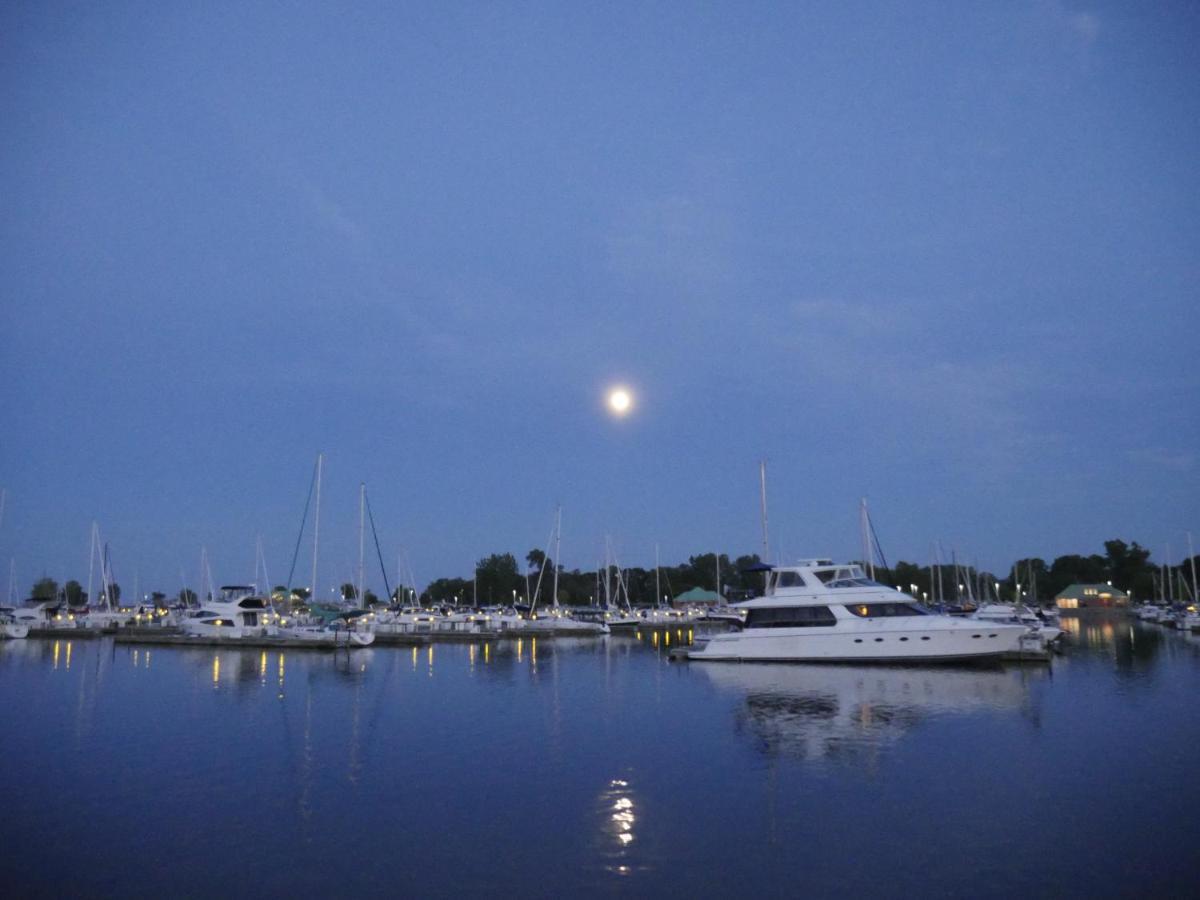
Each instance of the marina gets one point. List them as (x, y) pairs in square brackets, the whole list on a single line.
[(624, 767), (391, 394)]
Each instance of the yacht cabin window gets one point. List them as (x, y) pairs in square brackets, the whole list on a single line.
[(885, 610), (789, 579), (790, 617)]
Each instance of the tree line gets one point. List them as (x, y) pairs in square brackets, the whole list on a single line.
[(499, 579)]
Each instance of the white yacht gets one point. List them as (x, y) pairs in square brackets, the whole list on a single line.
[(10, 628), (46, 615), (556, 620), (816, 611), (1007, 612), (339, 633), (663, 617), (409, 620), (1148, 612), (238, 613)]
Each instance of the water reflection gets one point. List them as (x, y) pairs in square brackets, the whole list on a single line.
[(1133, 646), (617, 814), (849, 713), (62, 652)]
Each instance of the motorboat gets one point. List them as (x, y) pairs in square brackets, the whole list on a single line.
[(816, 611), (10, 628), (663, 617), (47, 615), (239, 612), (724, 614), (339, 632), (555, 620), (1148, 612), (1007, 612), (407, 620)]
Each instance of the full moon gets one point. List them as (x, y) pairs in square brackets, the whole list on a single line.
[(619, 401)]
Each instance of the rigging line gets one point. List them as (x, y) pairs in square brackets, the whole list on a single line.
[(878, 546), (382, 568), (300, 536)]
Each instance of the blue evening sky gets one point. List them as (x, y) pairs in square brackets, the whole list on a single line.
[(940, 255)]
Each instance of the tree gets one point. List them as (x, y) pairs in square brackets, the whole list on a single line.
[(446, 591), (74, 593), (1075, 569), (1128, 567), (187, 597), (44, 589), (743, 579), (498, 578), (906, 575), (349, 591), (536, 559), (158, 598), (369, 598)]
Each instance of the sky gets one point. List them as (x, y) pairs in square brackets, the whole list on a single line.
[(940, 256)]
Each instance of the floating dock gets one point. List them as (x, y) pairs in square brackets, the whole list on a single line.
[(420, 638), (62, 632), (272, 642)]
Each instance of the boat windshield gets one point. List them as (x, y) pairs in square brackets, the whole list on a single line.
[(882, 610), (846, 577), (788, 578)]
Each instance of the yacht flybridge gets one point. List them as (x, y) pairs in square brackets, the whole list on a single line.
[(816, 611)]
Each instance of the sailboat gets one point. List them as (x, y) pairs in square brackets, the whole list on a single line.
[(556, 620)]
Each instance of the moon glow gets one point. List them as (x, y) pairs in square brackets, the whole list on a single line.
[(620, 401)]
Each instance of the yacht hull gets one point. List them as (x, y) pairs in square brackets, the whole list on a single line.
[(895, 645)]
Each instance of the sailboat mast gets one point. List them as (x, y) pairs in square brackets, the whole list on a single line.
[(91, 563), (762, 500), (762, 490), (557, 551), (658, 596), (864, 523), (312, 593), (362, 535), (1192, 554)]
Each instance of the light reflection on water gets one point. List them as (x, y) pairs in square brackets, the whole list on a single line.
[(629, 771), (617, 814)]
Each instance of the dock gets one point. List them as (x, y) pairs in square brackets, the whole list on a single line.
[(70, 632), (161, 637)]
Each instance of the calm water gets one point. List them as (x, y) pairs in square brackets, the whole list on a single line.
[(597, 767)]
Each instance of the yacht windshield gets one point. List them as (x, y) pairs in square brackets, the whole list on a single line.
[(846, 577)]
